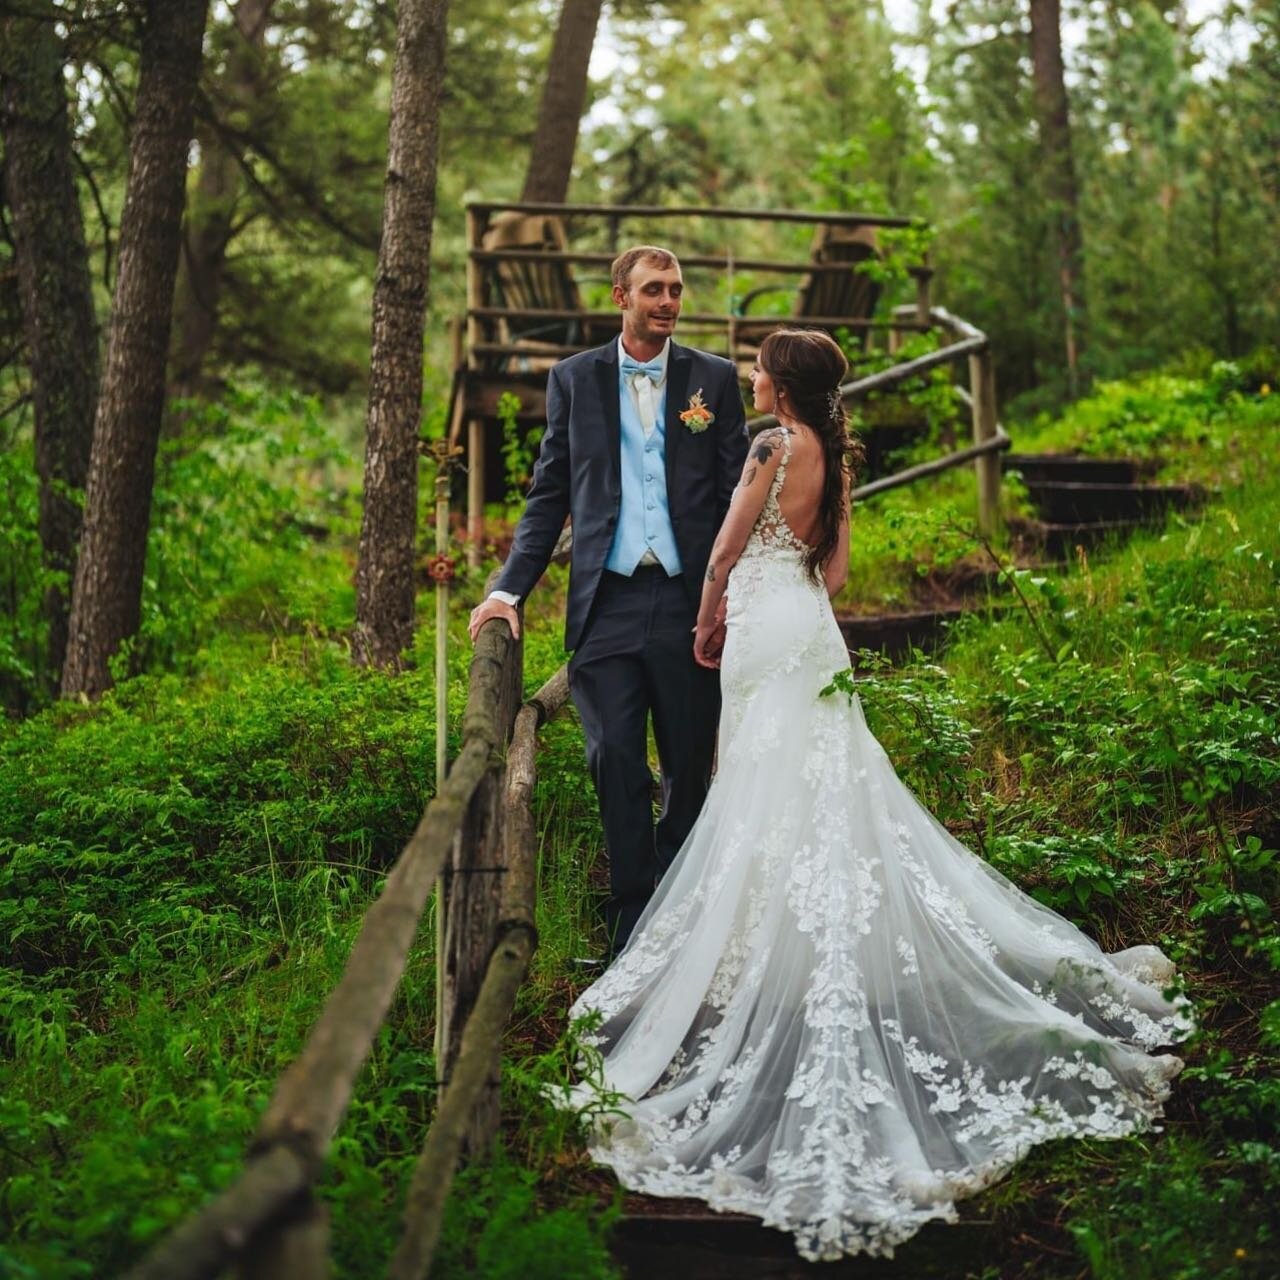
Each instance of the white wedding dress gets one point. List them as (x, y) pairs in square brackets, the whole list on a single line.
[(832, 1015)]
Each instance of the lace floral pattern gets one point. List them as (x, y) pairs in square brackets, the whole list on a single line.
[(832, 1015)]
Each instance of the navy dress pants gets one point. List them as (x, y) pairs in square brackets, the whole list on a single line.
[(636, 659)]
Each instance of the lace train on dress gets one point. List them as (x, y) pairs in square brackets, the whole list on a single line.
[(832, 1015)]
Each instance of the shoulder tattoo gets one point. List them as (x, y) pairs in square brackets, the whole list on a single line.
[(767, 442)]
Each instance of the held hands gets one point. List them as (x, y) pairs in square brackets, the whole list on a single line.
[(489, 609), (709, 638)]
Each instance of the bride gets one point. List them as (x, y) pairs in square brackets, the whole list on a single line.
[(832, 1015)]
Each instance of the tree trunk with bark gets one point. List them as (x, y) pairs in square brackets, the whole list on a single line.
[(210, 224), (563, 97), (1054, 123), (55, 291), (384, 572), (107, 599)]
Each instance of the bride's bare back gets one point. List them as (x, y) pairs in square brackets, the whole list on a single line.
[(800, 498)]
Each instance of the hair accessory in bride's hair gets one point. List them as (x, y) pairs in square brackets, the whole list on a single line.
[(833, 402)]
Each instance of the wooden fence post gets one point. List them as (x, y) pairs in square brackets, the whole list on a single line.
[(473, 884), (923, 275), (443, 456), (297, 1248), (982, 381), (517, 937)]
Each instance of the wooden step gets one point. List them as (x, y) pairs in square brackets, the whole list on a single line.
[(1059, 540), (1074, 467), (729, 1246), (895, 634), (1090, 502)]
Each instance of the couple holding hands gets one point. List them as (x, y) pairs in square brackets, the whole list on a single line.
[(819, 1008)]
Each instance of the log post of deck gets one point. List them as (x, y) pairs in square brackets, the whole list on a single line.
[(475, 425), (982, 379)]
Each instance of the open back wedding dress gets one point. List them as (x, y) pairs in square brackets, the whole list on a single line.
[(832, 1015)]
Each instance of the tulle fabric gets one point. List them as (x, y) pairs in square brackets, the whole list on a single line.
[(832, 1015)]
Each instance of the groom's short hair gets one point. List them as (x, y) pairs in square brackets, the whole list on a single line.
[(625, 262)]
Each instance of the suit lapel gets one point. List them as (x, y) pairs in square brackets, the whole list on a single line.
[(679, 364), (610, 403)]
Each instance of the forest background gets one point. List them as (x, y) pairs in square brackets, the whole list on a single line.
[(186, 859)]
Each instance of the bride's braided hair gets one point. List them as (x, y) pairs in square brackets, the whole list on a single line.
[(808, 365)]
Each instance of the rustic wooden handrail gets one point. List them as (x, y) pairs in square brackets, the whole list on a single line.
[(588, 258), (262, 1205), (997, 444), (517, 938), (990, 437), (814, 217), (686, 318)]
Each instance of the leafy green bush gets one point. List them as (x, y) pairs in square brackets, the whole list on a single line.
[(1194, 416), (251, 522), (171, 816), (252, 518), (1073, 873)]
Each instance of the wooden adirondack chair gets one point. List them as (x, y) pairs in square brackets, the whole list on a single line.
[(824, 298), (524, 286)]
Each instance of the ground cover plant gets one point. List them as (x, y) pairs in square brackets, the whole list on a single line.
[(183, 866)]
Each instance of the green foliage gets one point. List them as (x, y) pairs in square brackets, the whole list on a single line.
[(250, 520), (23, 582), (1179, 1211), (496, 1223), (931, 396), (519, 450), (1071, 873), (1198, 420), (920, 722), (183, 867), (496, 1228)]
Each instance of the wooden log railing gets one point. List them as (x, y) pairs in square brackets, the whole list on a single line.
[(268, 1222), (714, 213), (989, 437)]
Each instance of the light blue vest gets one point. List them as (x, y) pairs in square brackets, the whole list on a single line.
[(644, 518)]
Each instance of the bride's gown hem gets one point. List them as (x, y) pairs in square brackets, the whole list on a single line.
[(832, 1016)]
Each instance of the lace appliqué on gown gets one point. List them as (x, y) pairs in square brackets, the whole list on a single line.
[(832, 1015)]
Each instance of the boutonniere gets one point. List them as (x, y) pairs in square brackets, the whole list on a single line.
[(697, 417)]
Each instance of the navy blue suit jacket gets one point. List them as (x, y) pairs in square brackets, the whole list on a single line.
[(579, 472)]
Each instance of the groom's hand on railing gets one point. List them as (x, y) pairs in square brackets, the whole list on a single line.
[(489, 609)]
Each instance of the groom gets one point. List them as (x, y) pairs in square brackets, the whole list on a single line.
[(644, 444)]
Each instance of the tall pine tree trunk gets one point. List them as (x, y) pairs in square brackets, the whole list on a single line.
[(107, 599), (55, 291), (563, 97), (209, 224), (384, 573), (1054, 123)]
